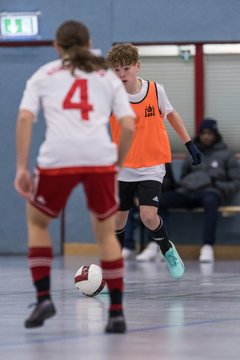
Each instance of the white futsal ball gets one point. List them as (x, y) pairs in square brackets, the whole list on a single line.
[(89, 280)]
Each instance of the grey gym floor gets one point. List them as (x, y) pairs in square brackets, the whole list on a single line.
[(197, 317)]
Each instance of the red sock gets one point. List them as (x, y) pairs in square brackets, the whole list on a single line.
[(40, 263), (113, 275)]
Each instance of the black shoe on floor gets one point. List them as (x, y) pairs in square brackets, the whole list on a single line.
[(42, 311), (116, 325)]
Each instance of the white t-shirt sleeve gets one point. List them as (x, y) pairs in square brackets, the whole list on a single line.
[(163, 101), (31, 95), (120, 102)]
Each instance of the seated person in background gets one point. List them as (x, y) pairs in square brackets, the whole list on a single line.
[(151, 251), (207, 185)]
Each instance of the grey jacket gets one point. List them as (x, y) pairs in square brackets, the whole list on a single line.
[(219, 172)]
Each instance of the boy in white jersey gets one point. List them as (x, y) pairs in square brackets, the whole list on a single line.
[(144, 167), (77, 94)]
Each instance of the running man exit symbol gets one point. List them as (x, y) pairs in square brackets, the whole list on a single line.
[(13, 26), (19, 25)]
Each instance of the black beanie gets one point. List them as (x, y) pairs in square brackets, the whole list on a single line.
[(210, 124)]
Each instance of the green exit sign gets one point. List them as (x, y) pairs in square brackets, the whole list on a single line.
[(19, 24)]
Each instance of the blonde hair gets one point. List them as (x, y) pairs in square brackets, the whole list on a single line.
[(73, 37), (122, 55)]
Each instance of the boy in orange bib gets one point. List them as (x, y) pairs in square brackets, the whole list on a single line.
[(144, 167)]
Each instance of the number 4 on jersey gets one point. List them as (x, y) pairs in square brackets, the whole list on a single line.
[(79, 86)]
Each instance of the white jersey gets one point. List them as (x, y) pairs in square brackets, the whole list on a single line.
[(157, 172), (77, 110)]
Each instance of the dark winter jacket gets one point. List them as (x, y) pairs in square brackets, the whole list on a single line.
[(219, 171)]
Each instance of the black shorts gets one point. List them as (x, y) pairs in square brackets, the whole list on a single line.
[(147, 192)]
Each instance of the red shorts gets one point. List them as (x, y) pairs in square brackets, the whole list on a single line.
[(51, 192)]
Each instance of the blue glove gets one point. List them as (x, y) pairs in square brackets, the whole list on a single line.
[(194, 152)]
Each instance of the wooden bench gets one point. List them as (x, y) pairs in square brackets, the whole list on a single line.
[(187, 251), (227, 210)]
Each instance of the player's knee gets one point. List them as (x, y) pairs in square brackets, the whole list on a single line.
[(121, 220), (148, 219)]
